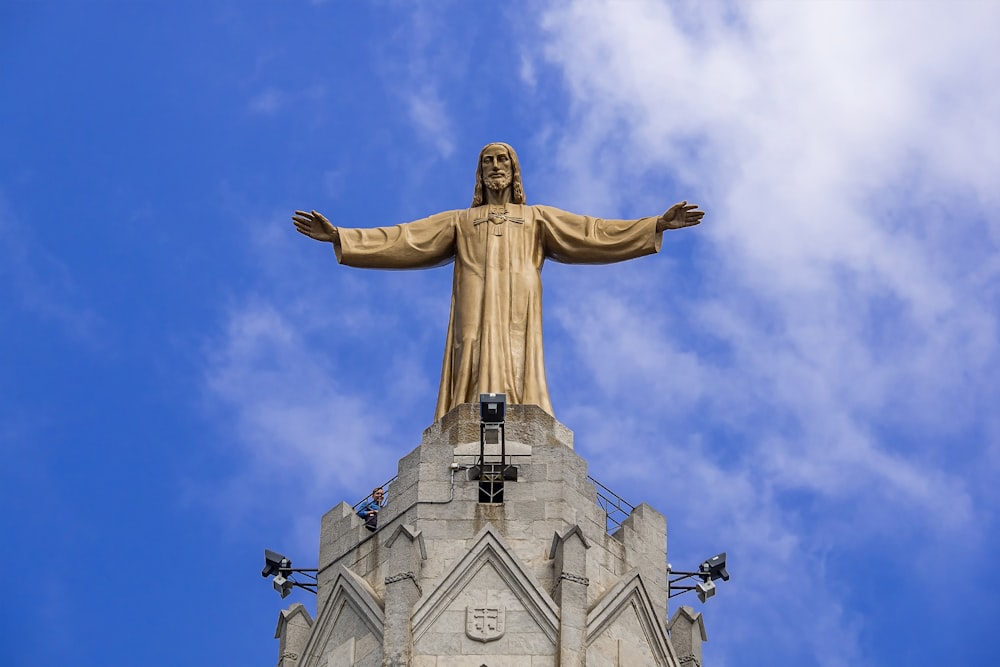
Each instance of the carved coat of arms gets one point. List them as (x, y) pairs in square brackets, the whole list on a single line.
[(484, 624)]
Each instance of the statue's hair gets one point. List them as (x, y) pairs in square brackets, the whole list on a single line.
[(517, 188)]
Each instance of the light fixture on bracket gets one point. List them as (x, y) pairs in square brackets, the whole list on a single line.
[(280, 567), (709, 572)]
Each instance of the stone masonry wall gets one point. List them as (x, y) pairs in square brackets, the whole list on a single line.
[(440, 506)]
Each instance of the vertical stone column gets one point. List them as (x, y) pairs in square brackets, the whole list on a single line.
[(644, 534), (292, 633), (569, 555), (687, 632), (402, 568)]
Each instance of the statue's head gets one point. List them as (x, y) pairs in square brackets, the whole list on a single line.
[(487, 180)]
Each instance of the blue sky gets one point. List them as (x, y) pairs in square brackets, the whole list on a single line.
[(807, 380)]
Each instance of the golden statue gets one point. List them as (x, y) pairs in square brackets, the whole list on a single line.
[(494, 341)]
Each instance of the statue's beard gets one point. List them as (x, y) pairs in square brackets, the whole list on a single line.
[(497, 183)]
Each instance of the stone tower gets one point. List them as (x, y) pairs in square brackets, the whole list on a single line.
[(518, 570)]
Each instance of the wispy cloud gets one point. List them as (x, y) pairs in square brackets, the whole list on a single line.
[(41, 284), (429, 64), (288, 406), (430, 117), (268, 101), (273, 99), (841, 336), (281, 378)]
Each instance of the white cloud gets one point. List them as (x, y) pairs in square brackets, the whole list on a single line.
[(305, 102), (312, 381), (806, 217), (268, 102), (44, 286), (838, 336), (430, 62), (429, 114), (288, 410)]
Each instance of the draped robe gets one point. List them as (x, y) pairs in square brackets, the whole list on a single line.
[(494, 341)]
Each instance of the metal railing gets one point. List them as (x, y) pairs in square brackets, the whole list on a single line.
[(616, 509), (385, 489)]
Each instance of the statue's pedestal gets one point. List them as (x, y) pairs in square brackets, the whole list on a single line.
[(447, 580)]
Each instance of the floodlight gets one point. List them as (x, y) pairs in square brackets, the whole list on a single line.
[(705, 590), (274, 563), (283, 585), (280, 567), (715, 567), (708, 572), (492, 408)]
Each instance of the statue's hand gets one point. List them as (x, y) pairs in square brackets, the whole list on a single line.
[(679, 215), (315, 226)]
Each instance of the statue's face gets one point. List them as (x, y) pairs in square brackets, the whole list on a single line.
[(497, 168)]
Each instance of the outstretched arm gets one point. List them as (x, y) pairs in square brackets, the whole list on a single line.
[(315, 226), (419, 244), (679, 215)]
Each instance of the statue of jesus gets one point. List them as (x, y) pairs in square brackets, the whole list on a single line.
[(494, 341)]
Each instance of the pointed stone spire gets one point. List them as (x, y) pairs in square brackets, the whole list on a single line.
[(406, 554), (569, 555), (687, 632), (292, 633)]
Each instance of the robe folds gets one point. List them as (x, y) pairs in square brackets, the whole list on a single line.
[(494, 341)]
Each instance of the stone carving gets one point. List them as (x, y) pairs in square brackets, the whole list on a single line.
[(574, 578), (484, 624), (403, 576), (494, 340)]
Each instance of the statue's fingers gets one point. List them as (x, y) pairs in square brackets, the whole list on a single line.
[(306, 229)]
